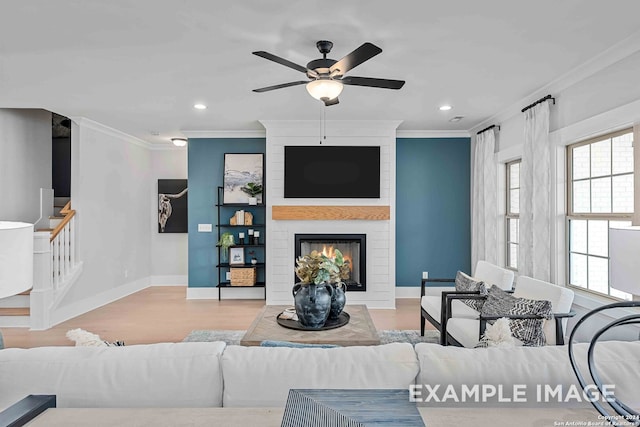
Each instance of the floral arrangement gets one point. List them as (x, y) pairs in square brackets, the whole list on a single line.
[(318, 268)]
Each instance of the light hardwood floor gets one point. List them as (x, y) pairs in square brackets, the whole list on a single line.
[(163, 314)]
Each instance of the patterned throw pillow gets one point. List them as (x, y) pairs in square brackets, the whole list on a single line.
[(529, 331), (466, 283)]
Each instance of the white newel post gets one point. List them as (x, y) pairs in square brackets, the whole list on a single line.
[(42, 292)]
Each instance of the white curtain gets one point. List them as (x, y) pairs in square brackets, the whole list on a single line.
[(534, 256), (484, 231)]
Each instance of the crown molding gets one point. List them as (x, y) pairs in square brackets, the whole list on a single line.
[(608, 57), (224, 133), (432, 134), (83, 122), (262, 133)]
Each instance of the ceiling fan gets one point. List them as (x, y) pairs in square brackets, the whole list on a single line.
[(327, 76)]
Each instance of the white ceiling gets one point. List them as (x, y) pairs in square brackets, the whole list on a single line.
[(139, 66)]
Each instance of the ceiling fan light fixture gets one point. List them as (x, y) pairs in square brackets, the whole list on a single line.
[(324, 89), (179, 142)]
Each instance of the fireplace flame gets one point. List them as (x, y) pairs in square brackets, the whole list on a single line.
[(328, 252)]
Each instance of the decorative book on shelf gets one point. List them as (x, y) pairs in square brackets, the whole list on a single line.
[(241, 218)]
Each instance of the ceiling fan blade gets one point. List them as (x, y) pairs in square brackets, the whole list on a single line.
[(355, 58), (282, 61), (330, 102), (372, 82), (280, 86)]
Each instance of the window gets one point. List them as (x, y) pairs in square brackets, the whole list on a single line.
[(601, 196), (513, 213)]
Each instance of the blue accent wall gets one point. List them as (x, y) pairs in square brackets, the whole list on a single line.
[(433, 222), (206, 169), (432, 205)]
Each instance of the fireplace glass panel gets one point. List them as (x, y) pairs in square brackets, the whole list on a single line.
[(352, 248)]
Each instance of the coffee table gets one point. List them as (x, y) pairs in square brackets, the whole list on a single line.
[(359, 331)]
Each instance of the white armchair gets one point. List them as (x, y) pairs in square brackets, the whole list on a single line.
[(433, 298), (468, 331)]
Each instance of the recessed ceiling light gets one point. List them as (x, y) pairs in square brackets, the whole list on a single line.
[(445, 107), (456, 119), (179, 142), (200, 107)]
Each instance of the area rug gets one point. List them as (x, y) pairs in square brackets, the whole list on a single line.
[(386, 337)]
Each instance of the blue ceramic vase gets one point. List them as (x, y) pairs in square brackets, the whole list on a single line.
[(338, 300), (313, 304)]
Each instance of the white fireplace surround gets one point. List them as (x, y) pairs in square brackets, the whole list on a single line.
[(280, 234)]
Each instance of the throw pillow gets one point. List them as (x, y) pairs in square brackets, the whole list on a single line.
[(466, 283), (89, 339), (529, 331), (497, 335)]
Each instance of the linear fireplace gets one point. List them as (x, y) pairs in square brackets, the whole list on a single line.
[(352, 246)]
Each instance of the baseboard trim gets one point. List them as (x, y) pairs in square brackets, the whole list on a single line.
[(202, 293), (212, 293), (174, 280), (70, 311), (407, 291)]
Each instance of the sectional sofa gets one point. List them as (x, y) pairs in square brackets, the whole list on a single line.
[(213, 374)]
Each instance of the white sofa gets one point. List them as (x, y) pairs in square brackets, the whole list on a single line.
[(213, 374)]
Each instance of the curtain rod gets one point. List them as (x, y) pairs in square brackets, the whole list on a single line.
[(539, 101), (486, 129)]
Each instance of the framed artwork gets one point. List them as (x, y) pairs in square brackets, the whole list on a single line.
[(236, 256), (172, 206), (240, 170)]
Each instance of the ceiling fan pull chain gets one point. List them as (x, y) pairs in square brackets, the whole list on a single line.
[(324, 120), (321, 124)]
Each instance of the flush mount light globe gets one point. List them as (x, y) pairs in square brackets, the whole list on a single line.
[(179, 142), (324, 89)]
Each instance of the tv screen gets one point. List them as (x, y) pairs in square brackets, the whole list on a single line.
[(331, 172)]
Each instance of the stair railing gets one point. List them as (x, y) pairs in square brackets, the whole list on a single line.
[(62, 246)]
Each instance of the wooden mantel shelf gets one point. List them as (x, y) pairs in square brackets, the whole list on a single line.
[(330, 213)]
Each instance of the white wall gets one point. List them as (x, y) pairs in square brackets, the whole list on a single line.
[(169, 251), (110, 190), (280, 234), (25, 162)]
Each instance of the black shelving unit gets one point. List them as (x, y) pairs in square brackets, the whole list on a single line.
[(225, 211)]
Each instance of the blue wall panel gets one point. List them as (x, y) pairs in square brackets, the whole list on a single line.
[(206, 169), (432, 205), (433, 231)]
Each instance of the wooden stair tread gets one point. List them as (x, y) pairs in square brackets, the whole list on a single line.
[(56, 217), (27, 292), (21, 311), (45, 229)]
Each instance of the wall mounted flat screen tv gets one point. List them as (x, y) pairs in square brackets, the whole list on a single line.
[(332, 172)]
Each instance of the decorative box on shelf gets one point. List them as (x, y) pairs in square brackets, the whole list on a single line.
[(243, 276)]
